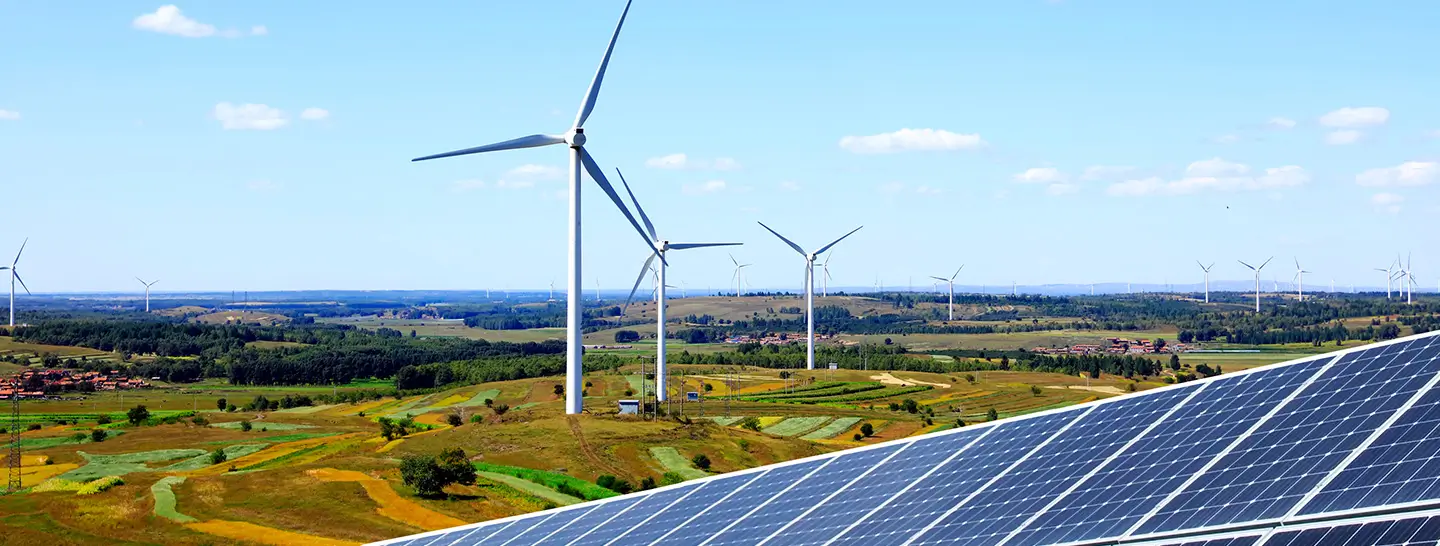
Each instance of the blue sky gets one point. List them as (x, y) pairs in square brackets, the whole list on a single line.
[(1048, 141)]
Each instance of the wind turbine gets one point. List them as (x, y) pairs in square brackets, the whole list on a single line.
[(1389, 276), (658, 248), (1407, 279), (1257, 279), (552, 291), (737, 277), (15, 276), (1206, 269), (951, 280), (147, 291), (574, 138), (1300, 280), (809, 289), (825, 277)]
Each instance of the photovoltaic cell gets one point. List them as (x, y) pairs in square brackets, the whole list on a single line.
[(990, 516), (459, 536), (1234, 541), (788, 505), (932, 496), (1119, 495), (1403, 465), (834, 515), (676, 513), (543, 529), (1424, 531), (649, 506), (711, 519), (583, 524), (503, 536), (1277, 465)]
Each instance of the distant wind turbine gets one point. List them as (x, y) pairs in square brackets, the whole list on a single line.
[(951, 282), (15, 276), (147, 291), (825, 276), (1389, 276), (738, 274), (1407, 280), (574, 138), (1257, 279), (659, 247), (1300, 280), (809, 289), (1206, 269)]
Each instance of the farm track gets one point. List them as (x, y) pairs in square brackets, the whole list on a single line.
[(589, 451)]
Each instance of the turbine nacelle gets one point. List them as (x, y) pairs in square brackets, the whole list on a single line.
[(575, 138)]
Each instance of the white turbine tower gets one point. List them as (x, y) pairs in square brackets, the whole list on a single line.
[(1300, 280), (147, 291), (1389, 276), (658, 247), (1257, 279), (825, 277), (951, 281), (1206, 269), (15, 276), (809, 289), (738, 273), (574, 138), (1407, 280)]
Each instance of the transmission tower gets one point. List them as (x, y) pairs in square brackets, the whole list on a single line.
[(12, 460)]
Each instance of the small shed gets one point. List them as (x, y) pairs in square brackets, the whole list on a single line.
[(629, 407)]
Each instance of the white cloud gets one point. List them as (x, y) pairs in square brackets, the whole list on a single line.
[(1435, 133), (1062, 189), (259, 30), (790, 186), (1409, 173), (927, 190), (514, 184), (1040, 175), (682, 161), (1104, 172), (725, 164), (1387, 202), (9, 115), (249, 116), (672, 161), (168, 20), (535, 172), (711, 186), (1280, 123), (314, 114), (1355, 117), (1214, 175), (892, 187), (1342, 137), (262, 186), (910, 140)]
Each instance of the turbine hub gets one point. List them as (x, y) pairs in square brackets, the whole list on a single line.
[(576, 137)]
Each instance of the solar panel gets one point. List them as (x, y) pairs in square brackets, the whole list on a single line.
[(1334, 450)]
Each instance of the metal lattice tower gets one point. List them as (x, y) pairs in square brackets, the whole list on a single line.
[(12, 460)]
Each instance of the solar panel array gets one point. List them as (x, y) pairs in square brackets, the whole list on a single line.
[(1338, 449)]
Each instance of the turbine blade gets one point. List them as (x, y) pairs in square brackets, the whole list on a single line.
[(1242, 262), (594, 91), (782, 238), (599, 177), (837, 241), (531, 141), (22, 281), (1267, 261), (27, 241), (684, 246), (940, 279), (142, 281), (648, 226), (957, 272), (643, 270), (733, 260)]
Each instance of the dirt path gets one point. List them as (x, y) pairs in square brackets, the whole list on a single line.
[(888, 379), (589, 451)]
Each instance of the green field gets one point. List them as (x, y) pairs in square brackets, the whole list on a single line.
[(673, 461)]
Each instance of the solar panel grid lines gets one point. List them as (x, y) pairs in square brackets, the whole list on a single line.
[(783, 508), (708, 522), (479, 533), (1220, 456), (1132, 485), (802, 516), (554, 523), (1404, 528), (1400, 469), (504, 536), (599, 515), (676, 514), (1019, 461), (911, 485), (1276, 465), (637, 515), (1155, 423), (1384, 428)]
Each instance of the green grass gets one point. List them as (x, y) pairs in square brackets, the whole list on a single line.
[(553, 480), (673, 461), (282, 438), (832, 429), (308, 409), (165, 499), (532, 488), (257, 425), (796, 425), (201, 461), (56, 441), (726, 421), (100, 466), (832, 390)]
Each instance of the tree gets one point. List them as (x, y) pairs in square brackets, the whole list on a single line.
[(138, 414), (391, 429), (500, 409), (97, 435), (614, 484), (909, 405), (220, 404), (102, 420), (246, 426), (867, 429), (700, 461), (1035, 390), (218, 456), (559, 390), (627, 336), (454, 419), (859, 436), (1175, 362), (647, 483), (992, 415)]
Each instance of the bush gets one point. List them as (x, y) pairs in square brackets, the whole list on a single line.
[(102, 420), (454, 420), (137, 415), (894, 407), (970, 377), (429, 475), (218, 456), (559, 390), (1035, 390), (671, 478), (33, 426), (614, 484), (750, 423), (246, 426), (221, 404), (627, 336), (97, 435), (477, 418), (647, 483), (230, 408), (100, 485), (992, 415), (500, 409), (700, 461), (910, 405), (199, 421), (859, 436), (867, 429), (390, 429)]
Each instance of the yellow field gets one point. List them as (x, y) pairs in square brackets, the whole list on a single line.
[(249, 532), (392, 505)]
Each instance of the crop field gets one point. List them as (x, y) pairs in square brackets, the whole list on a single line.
[(673, 461)]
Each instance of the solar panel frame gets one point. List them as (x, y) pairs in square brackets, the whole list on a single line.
[(709, 521), (604, 534)]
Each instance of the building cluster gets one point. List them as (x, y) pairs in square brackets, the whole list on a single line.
[(777, 339), (1116, 346), (36, 384)]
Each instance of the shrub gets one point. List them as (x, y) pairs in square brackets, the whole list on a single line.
[(246, 426), (500, 409), (671, 478), (744, 444), (477, 418), (199, 421), (137, 415), (454, 420), (992, 415), (102, 420), (647, 483), (1035, 390), (218, 456), (910, 405), (614, 484), (33, 426), (97, 435), (391, 429), (559, 390), (859, 436), (221, 404), (894, 407), (867, 429), (700, 461), (100, 485), (429, 475), (750, 423), (970, 377), (230, 408)]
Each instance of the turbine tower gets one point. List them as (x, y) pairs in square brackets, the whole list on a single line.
[(1389, 276), (658, 247), (737, 278), (1407, 280), (1257, 279), (14, 277), (574, 138), (825, 277), (1300, 280), (951, 280), (1206, 269), (147, 291), (809, 289)]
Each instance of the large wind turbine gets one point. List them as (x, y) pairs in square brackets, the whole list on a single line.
[(574, 138), (951, 281), (809, 289), (658, 247), (1389, 276), (1206, 269), (1300, 280), (147, 291), (15, 276), (1257, 279), (1407, 280), (737, 278)]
